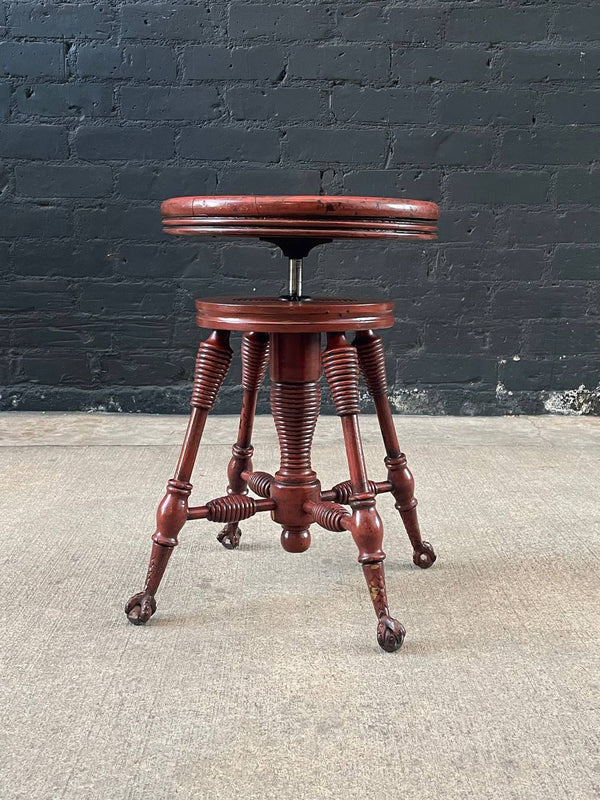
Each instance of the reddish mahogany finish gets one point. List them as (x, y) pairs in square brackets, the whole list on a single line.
[(294, 208), (279, 315), (255, 354), (319, 217), (371, 358), (288, 334), (340, 365), (212, 363), (295, 403)]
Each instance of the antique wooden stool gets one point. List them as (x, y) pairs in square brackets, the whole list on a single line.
[(287, 331)]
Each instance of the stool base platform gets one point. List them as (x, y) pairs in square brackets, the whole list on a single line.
[(293, 495)]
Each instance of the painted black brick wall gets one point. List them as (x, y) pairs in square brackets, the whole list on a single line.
[(489, 108)]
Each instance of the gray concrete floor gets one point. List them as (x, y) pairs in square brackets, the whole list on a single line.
[(260, 676)]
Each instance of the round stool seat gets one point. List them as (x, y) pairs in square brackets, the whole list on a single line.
[(284, 334), (309, 216), (279, 315)]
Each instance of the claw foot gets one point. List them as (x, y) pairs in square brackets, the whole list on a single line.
[(140, 608), (424, 557), (230, 536), (390, 634)]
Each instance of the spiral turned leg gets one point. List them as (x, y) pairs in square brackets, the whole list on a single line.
[(212, 363), (255, 354), (340, 364), (295, 402), (295, 408), (371, 358)]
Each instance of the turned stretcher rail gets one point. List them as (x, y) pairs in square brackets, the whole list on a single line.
[(342, 492), (231, 508)]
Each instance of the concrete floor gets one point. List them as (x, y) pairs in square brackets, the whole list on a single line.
[(260, 676)]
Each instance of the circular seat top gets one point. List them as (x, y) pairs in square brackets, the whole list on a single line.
[(311, 216), (281, 315)]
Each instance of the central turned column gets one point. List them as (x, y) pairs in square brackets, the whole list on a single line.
[(295, 403)]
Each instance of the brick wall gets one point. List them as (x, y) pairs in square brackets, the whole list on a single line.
[(489, 108)]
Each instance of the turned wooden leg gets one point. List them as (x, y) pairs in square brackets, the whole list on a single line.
[(295, 402), (212, 363), (371, 358), (255, 353), (340, 364)]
